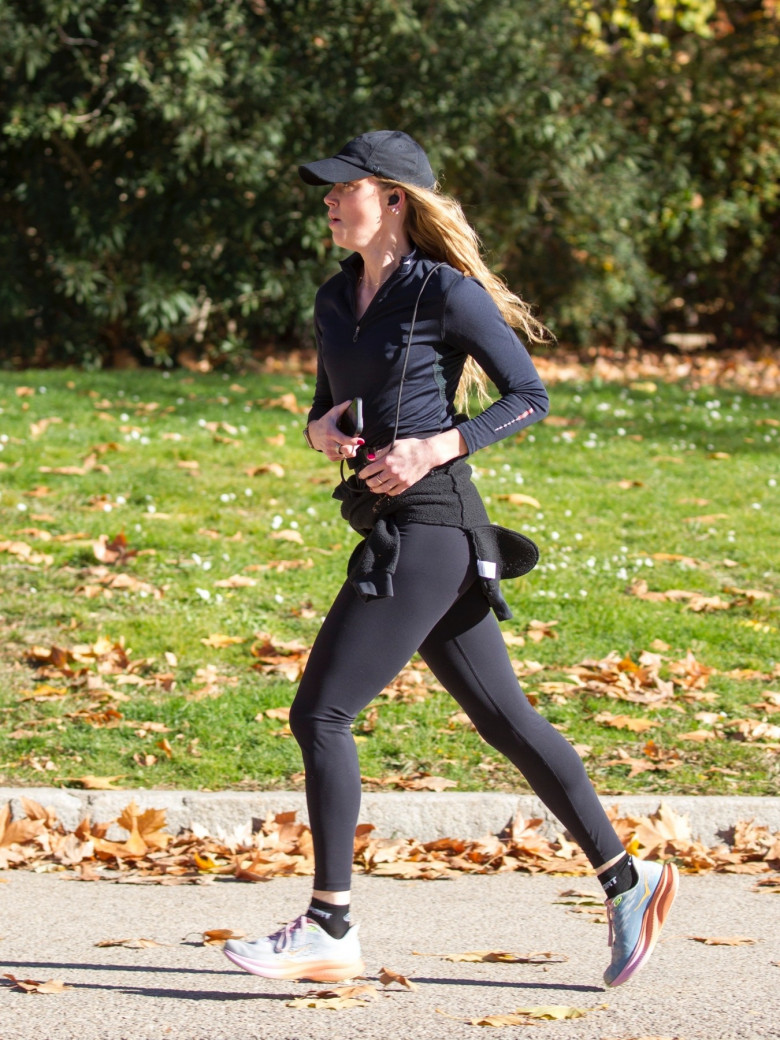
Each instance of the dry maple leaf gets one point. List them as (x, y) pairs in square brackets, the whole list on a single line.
[(387, 977), (131, 944), (115, 551), (737, 940), (270, 467), (287, 535), (335, 999), (539, 630), (606, 718), (97, 783), (33, 986), (525, 1016), (504, 957), (516, 499), (219, 936), (236, 581), (219, 641)]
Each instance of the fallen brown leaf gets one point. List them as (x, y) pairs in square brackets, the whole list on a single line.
[(33, 986), (131, 944), (738, 940), (219, 936), (387, 977)]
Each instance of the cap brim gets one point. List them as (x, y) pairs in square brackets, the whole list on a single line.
[(332, 171)]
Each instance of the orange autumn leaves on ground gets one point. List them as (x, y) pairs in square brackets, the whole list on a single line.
[(103, 675), (136, 848)]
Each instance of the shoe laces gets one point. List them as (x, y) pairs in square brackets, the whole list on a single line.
[(284, 938), (610, 922)]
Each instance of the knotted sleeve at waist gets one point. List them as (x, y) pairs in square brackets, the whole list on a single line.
[(445, 497)]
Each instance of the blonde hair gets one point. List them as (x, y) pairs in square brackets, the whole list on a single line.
[(437, 225)]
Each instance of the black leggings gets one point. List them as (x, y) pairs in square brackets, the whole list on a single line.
[(438, 608)]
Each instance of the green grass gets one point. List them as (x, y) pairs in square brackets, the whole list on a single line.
[(634, 473)]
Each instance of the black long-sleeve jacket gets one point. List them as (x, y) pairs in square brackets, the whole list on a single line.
[(456, 318)]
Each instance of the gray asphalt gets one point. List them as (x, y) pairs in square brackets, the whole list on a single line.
[(689, 991)]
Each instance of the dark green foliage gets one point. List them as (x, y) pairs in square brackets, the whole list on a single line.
[(619, 158)]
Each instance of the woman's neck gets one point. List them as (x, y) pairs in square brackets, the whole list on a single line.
[(379, 266)]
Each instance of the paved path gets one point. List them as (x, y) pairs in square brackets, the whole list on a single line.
[(185, 991)]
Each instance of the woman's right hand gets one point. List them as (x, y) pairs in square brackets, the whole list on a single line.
[(328, 438)]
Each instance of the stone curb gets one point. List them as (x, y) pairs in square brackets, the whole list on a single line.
[(425, 816)]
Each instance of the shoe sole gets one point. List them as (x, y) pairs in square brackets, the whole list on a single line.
[(317, 971), (653, 921)]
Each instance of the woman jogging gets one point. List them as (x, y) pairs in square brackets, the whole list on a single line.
[(412, 313)]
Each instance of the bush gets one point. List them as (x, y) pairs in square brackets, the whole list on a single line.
[(621, 169)]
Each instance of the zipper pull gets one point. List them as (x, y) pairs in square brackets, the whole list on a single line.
[(357, 333)]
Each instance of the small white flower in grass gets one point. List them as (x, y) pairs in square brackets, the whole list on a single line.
[(278, 598), (649, 562), (107, 507), (755, 505), (578, 537), (248, 492), (277, 522), (224, 498), (33, 589), (772, 482), (583, 592), (41, 389), (226, 557), (124, 417), (151, 509), (621, 432), (554, 535), (311, 511), (203, 593), (622, 574), (207, 565)]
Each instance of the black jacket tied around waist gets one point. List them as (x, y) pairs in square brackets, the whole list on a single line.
[(445, 497)]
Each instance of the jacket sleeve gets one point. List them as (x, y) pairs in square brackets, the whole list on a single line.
[(323, 396), (472, 323)]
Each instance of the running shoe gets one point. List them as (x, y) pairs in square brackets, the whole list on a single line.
[(636, 918), (300, 950)]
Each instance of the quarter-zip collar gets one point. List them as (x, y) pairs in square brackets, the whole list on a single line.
[(352, 267)]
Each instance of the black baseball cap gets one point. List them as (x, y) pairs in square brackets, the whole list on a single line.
[(391, 154)]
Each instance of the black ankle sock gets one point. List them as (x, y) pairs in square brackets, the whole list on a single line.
[(332, 919), (619, 878)]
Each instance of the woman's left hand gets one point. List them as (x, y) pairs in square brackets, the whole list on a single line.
[(396, 469)]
